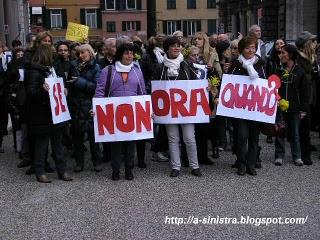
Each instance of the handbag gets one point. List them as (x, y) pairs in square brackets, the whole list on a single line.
[(279, 128)]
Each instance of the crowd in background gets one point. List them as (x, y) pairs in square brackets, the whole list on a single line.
[(125, 66)]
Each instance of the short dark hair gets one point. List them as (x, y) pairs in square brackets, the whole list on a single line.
[(245, 42), (291, 50), (16, 43), (170, 41), (62, 43), (123, 48)]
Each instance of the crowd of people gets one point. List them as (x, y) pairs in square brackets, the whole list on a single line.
[(125, 66)]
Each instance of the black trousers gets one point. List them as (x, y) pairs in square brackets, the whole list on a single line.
[(40, 151), (248, 141), (78, 139), (141, 150), (122, 151)]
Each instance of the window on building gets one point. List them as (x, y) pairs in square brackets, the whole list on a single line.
[(211, 3), (171, 4), (91, 18), (111, 26), (190, 27), (131, 4), (191, 4), (171, 27), (56, 18), (131, 26), (212, 26), (110, 4)]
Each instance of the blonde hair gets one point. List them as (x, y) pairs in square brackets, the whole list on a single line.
[(86, 47), (309, 51), (208, 51)]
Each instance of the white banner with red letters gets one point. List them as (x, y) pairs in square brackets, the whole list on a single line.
[(241, 97), (59, 108), (180, 101), (122, 118)]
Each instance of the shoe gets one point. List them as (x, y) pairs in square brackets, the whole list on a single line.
[(97, 168), (221, 149), (65, 176), (235, 165), (78, 169), (49, 169), (196, 172), (43, 179), (128, 174), (258, 165), (251, 171), (174, 173), (307, 161), (1, 150), (24, 163), (115, 175), (269, 139), (241, 170), (298, 162), (159, 157), (278, 161), (142, 165), (215, 153)]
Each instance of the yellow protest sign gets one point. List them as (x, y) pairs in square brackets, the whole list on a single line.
[(77, 32)]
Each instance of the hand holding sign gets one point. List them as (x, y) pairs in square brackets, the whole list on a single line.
[(59, 108)]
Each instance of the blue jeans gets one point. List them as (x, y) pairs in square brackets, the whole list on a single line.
[(292, 120)]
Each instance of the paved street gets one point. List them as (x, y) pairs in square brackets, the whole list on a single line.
[(94, 207)]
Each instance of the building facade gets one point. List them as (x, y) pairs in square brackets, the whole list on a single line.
[(189, 16), (57, 13), (277, 18), (124, 17)]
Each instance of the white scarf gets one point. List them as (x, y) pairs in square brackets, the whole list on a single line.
[(159, 54), (248, 65), (123, 68), (173, 65), (3, 61)]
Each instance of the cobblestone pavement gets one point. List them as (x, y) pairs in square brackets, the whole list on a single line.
[(94, 207)]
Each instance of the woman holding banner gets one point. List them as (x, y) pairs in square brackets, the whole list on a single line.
[(175, 68), (39, 116), (251, 65), (83, 78), (119, 80)]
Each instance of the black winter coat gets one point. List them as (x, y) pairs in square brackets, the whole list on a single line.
[(237, 69), (185, 72), (17, 92), (38, 103), (62, 67), (294, 89), (81, 93)]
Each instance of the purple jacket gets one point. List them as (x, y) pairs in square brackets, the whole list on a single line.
[(133, 87)]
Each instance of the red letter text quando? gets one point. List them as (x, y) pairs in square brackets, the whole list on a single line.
[(251, 96)]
